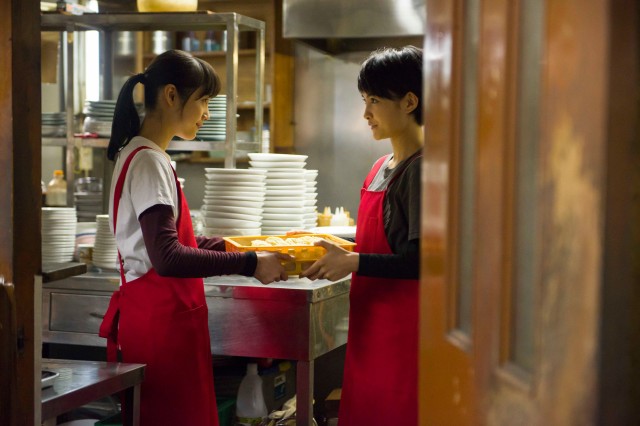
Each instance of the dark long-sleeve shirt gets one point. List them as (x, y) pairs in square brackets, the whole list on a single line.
[(170, 258)]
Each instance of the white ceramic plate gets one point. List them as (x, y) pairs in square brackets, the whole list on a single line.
[(256, 156), (222, 171), (277, 164), (283, 210), (228, 232), (286, 174), (230, 223), (230, 209), (235, 183), (292, 191), (226, 215), (285, 182), (281, 216), (235, 177), (277, 230), (283, 203), (250, 196), (233, 203), (228, 186)]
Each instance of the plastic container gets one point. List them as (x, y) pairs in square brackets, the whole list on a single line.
[(226, 411), (251, 408), (339, 218), (57, 190), (304, 255), (114, 420)]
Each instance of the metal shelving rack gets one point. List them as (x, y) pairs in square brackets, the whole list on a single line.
[(107, 24)]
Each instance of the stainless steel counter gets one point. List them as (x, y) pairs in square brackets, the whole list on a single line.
[(81, 382), (296, 319)]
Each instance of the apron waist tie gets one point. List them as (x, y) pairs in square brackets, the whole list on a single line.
[(109, 326)]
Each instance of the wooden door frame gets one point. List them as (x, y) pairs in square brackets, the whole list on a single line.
[(619, 362), (588, 341), (20, 165)]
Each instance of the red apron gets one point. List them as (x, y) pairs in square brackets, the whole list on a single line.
[(163, 322), (380, 373)]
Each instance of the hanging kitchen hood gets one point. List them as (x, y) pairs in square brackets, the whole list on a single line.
[(354, 25)]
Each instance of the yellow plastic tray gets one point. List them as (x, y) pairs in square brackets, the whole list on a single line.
[(304, 255)]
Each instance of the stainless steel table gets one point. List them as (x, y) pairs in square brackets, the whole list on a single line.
[(296, 319), (81, 382)]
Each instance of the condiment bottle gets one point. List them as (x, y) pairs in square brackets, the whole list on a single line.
[(57, 190), (339, 218), (250, 406)]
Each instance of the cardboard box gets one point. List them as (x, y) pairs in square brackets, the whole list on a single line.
[(332, 403), (278, 384)]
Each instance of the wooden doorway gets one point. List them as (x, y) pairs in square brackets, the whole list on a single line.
[(20, 195), (531, 225)]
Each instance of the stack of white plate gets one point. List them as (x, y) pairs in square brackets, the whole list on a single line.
[(58, 234), (54, 124), (285, 191), (215, 128), (105, 252), (233, 201), (310, 199), (98, 117)]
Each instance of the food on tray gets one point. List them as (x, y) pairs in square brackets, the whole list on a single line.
[(300, 246), (306, 240)]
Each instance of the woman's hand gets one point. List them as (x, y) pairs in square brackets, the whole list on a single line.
[(335, 264), (269, 267)]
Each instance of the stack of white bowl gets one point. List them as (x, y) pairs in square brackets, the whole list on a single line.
[(284, 204), (233, 201), (105, 252), (310, 199), (58, 234)]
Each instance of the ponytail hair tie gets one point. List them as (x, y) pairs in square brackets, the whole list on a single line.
[(142, 78)]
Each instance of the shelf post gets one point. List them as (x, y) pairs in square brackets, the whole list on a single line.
[(259, 111), (69, 146), (232, 92)]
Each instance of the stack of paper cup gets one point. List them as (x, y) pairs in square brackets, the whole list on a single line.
[(105, 253)]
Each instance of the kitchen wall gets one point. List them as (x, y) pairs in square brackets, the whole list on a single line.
[(330, 127)]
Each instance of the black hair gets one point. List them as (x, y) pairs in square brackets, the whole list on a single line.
[(175, 67), (391, 73)]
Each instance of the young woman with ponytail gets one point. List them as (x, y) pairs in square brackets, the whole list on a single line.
[(158, 317)]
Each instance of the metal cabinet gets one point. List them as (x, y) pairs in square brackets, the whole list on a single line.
[(108, 24)]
